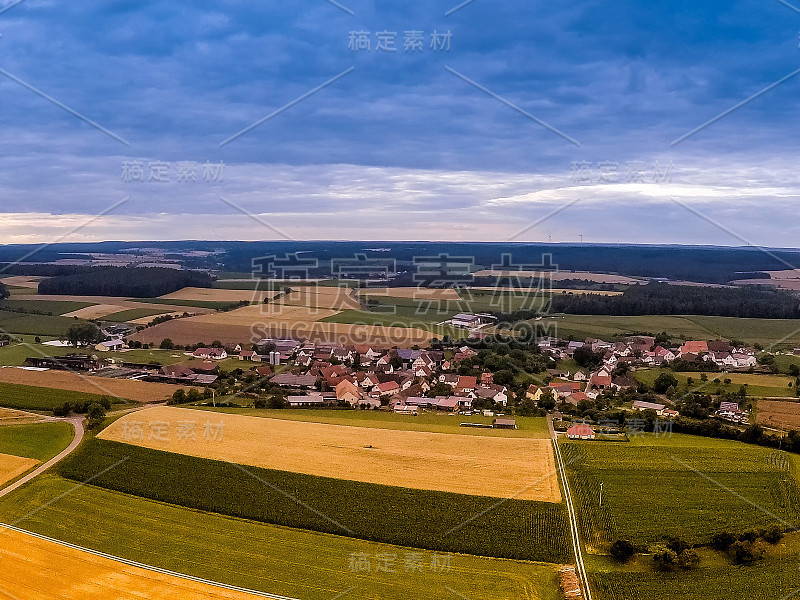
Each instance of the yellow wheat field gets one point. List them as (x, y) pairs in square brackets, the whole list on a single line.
[(36, 569), (488, 466), (12, 467)]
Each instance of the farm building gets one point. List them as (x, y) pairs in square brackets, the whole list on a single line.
[(580, 431), (504, 424), (290, 380), (641, 405), (212, 353), (110, 346)]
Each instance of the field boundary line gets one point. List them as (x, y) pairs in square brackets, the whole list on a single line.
[(573, 519), (133, 563)]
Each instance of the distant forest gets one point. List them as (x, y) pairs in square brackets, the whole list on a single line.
[(663, 299), (124, 282)]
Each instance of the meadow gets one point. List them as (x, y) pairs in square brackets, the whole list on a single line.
[(278, 560), (38, 398), (767, 332), (34, 324), (773, 578), (680, 486), (434, 422), (440, 521), (757, 384), (54, 307), (133, 314), (38, 441)]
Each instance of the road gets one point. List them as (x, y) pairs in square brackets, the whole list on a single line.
[(580, 568), (77, 424)]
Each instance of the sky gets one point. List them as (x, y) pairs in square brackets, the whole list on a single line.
[(521, 120)]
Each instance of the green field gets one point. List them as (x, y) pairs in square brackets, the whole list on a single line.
[(682, 486), (774, 578), (418, 518), (39, 441), (135, 313), (529, 427), (56, 307), (15, 354), (188, 303), (783, 361), (278, 560), (28, 397), (425, 322), (757, 385), (34, 324), (165, 357), (692, 327)]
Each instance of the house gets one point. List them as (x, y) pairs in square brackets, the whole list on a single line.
[(110, 346), (466, 383), (558, 373), (694, 347), (580, 376), (487, 378), (389, 388), (496, 393), (504, 424), (599, 381), (574, 398), (212, 353), (580, 431), (250, 355), (265, 371), (348, 391), (642, 405), (534, 392), (671, 414), (449, 378)]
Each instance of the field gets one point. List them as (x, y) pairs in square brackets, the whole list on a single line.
[(38, 569), (499, 467), (38, 398), (12, 467), (187, 303), (757, 385), (45, 388), (562, 275), (134, 314), (433, 422), (24, 281), (279, 560), (17, 323), (682, 486), (440, 521), (779, 414), (783, 332), (37, 441), (774, 578), (55, 307)]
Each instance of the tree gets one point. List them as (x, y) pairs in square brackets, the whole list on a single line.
[(664, 558), (84, 334), (622, 550), (4, 293), (194, 395), (277, 401), (663, 382), (773, 535), (440, 389), (96, 414), (179, 396), (586, 358), (546, 400), (166, 344), (794, 370), (745, 552), (688, 559)]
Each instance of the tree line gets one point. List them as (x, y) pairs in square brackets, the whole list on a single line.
[(125, 282), (663, 299)]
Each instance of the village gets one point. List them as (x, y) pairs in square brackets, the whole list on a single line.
[(308, 375)]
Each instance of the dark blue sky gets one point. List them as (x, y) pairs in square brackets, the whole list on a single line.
[(536, 108)]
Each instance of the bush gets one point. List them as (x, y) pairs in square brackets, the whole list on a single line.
[(622, 550), (664, 558), (773, 535), (722, 541), (688, 559), (96, 414), (745, 552)]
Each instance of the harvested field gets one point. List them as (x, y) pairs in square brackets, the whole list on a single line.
[(106, 305), (38, 569), (782, 414), (428, 461), (22, 281), (94, 312), (140, 391), (9, 416), (215, 295), (413, 293), (12, 467), (501, 290), (252, 323), (562, 275)]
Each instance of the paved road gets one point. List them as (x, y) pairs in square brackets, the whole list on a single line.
[(77, 423), (580, 568)]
